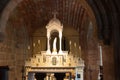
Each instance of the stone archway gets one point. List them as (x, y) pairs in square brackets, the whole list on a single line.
[(13, 4)]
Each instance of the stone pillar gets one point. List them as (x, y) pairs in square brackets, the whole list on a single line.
[(60, 37), (30, 76), (34, 76), (52, 76), (26, 76), (48, 43), (47, 76), (108, 63)]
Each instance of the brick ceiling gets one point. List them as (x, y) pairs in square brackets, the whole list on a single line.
[(36, 13)]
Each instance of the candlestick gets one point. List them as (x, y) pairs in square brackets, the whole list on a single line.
[(101, 62)]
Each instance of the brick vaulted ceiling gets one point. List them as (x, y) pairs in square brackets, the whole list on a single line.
[(36, 13)]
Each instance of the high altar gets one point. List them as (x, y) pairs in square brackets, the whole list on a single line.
[(55, 60)]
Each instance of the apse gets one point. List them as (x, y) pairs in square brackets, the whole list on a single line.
[(27, 33)]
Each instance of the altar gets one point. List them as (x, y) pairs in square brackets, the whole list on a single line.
[(51, 62)]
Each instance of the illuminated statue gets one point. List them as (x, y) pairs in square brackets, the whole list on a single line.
[(54, 44)]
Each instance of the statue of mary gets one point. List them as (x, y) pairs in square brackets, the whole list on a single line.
[(54, 44)]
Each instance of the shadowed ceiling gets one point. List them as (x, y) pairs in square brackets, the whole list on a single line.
[(34, 14)]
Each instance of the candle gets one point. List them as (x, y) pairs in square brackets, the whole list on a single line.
[(75, 44), (33, 44), (80, 51), (38, 41), (101, 62), (70, 42), (28, 47), (80, 48)]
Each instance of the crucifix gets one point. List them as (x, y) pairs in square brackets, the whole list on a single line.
[(55, 13)]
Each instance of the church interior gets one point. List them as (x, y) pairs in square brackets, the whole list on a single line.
[(59, 40)]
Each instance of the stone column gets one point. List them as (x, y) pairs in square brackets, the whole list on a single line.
[(108, 63), (26, 76), (60, 37), (48, 43), (30, 76), (34, 76), (47, 76)]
